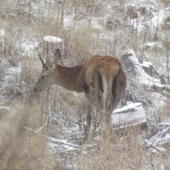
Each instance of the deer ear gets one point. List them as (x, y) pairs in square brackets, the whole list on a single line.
[(57, 57), (49, 62)]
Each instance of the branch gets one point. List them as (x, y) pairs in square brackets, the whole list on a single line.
[(59, 142)]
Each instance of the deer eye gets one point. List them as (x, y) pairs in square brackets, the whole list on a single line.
[(43, 77)]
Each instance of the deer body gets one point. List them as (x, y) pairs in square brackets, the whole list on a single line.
[(68, 77), (101, 78)]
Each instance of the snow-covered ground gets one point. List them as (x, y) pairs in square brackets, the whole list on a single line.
[(114, 29)]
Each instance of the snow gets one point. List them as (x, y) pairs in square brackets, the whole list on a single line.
[(28, 47), (2, 36), (146, 64), (128, 107), (161, 138), (52, 39), (14, 70), (11, 78), (160, 17), (153, 45), (68, 21), (95, 24), (2, 33), (156, 19), (56, 143)]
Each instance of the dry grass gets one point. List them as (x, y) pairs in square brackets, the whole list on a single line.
[(21, 148), (126, 152)]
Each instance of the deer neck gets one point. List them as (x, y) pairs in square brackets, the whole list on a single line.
[(68, 77)]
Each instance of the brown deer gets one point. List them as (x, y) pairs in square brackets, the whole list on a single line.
[(101, 78)]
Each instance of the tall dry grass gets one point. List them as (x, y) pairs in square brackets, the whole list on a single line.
[(21, 148), (127, 151)]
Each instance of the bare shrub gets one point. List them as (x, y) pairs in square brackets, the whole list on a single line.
[(22, 148), (127, 151)]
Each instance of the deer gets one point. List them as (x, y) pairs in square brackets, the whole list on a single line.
[(101, 78)]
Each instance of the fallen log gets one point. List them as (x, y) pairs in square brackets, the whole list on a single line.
[(130, 115)]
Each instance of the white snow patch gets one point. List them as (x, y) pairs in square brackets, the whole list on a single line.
[(153, 45), (52, 39), (11, 79), (2, 33), (128, 107), (154, 21), (14, 70), (28, 47), (146, 64), (59, 142), (159, 17), (2, 36), (68, 21), (96, 24)]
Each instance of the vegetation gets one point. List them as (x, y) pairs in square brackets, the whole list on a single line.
[(87, 27)]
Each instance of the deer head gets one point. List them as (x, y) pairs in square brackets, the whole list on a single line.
[(48, 74)]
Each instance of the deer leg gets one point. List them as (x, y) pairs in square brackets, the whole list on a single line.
[(91, 113), (106, 108), (108, 122), (105, 124), (88, 122), (101, 123)]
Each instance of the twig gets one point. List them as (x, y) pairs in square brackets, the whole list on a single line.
[(63, 143), (151, 146), (158, 150), (159, 134), (38, 130), (164, 131), (53, 118), (53, 139), (35, 131), (152, 165)]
